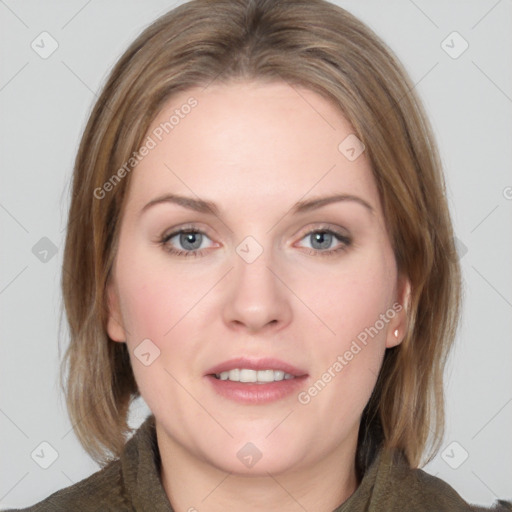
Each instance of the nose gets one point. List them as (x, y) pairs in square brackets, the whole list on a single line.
[(256, 299)]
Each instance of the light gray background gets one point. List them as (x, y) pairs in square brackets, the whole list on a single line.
[(44, 105)]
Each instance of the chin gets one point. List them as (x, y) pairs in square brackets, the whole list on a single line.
[(256, 456), (275, 464)]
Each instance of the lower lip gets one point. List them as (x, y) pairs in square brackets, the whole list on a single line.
[(254, 393)]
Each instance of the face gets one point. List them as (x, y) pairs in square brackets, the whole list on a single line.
[(245, 266)]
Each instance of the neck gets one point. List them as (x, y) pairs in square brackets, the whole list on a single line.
[(194, 485)]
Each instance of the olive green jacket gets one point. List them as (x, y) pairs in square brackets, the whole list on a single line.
[(132, 483)]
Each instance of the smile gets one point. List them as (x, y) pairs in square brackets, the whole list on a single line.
[(259, 376)]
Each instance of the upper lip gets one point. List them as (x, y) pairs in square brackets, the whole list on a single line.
[(266, 363)]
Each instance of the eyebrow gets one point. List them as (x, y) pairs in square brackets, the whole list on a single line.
[(312, 204), (208, 207)]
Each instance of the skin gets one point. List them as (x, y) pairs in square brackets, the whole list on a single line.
[(255, 149)]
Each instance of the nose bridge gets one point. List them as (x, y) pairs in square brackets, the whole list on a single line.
[(256, 298), (251, 271)]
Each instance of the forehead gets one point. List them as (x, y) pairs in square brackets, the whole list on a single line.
[(247, 142)]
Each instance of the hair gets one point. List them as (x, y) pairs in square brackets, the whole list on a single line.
[(306, 43)]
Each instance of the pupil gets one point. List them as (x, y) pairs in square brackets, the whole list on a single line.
[(190, 240), (324, 240)]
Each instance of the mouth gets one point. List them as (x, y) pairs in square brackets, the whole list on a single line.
[(258, 376), (253, 381)]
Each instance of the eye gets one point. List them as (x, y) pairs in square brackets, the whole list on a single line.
[(185, 242), (193, 242), (326, 241)]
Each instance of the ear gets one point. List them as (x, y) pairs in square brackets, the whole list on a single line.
[(398, 325), (115, 327)]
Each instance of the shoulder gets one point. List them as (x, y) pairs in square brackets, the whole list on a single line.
[(122, 485), (441, 496), (102, 490), (424, 492)]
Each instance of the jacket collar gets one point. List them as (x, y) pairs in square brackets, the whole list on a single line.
[(388, 483), (140, 463)]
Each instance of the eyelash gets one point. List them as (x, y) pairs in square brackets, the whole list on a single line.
[(345, 241)]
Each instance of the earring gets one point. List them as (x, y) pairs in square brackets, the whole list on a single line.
[(396, 333)]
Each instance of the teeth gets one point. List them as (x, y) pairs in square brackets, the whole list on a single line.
[(259, 376)]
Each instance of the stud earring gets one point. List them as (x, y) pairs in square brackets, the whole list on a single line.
[(396, 333)]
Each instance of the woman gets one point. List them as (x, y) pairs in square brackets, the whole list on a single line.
[(259, 245)]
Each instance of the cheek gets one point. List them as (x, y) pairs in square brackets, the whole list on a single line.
[(360, 301), (147, 305), (154, 296), (163, 303), (354, 304), (351, 297), (156, 306)]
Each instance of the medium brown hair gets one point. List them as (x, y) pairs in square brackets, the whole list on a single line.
[(306, 43)]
